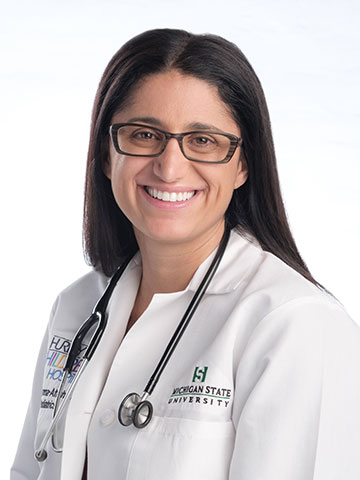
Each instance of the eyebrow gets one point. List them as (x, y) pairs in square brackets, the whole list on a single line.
[(152, 120), (158, 123)]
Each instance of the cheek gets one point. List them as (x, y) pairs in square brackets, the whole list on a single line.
[(224, 180), (227, 186), (120, 172), (118, 179), (124, 172)]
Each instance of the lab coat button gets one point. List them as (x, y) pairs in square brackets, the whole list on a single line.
[(107, 418)]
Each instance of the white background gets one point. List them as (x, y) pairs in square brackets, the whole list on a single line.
[(52, 56)]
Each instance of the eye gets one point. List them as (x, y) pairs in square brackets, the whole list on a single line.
[(202, 140), (143, 135), (146, 135)]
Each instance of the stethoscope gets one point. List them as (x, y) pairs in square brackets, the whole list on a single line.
[(135, 409)]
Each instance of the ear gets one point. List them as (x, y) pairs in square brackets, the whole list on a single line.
[(242, 173), (106, 167)]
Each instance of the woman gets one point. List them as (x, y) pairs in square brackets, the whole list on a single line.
[(263, 382)]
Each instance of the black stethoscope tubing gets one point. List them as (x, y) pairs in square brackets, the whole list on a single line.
[(139, 410), (98, 315), (184, 322)]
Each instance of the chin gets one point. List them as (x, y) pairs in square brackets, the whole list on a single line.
[(174, 233)]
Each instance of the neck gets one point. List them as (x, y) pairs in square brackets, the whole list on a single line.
[(169, 267)]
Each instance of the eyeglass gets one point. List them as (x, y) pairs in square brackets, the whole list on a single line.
[(205, 146)]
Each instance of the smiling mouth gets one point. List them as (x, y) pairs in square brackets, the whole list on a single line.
[(169, 196)]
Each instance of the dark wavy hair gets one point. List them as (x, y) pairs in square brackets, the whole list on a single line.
[(256, 208)]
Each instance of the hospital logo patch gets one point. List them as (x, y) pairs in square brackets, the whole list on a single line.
[(55, 362)]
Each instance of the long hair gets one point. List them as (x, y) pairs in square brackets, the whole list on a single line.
[(256, 208)]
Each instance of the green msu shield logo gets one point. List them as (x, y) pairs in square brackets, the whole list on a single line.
[(199, 374)]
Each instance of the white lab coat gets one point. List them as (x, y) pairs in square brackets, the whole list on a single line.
[(264, 384)]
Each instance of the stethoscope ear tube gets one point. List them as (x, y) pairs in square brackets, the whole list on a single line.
[(41, 453)]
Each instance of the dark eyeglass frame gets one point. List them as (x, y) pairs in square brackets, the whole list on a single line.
[(234, 141)]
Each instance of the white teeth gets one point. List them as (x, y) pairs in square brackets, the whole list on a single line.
[(169, 196)]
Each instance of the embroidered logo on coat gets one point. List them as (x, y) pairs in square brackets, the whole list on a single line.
[(55, 362), (200, 374), (201, 394)]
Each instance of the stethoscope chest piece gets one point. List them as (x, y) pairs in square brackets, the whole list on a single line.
[(134, 410)]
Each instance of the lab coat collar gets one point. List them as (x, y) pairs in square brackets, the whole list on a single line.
[(240, 257)]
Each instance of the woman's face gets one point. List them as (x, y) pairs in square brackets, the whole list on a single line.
[(176, 103)]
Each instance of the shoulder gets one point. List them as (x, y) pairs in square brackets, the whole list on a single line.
[(292, 326), (77, 300), (281, 299), (261, 273)]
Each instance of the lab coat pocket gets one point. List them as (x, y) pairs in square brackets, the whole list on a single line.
[(178, 448)]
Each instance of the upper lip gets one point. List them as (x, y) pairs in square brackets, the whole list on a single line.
[(176, 189)]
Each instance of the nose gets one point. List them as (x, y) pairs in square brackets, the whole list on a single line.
[(171, 165)]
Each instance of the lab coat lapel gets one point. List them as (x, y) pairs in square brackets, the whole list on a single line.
[(90, 385)]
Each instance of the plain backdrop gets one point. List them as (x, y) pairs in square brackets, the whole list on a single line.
[(52, 56)]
